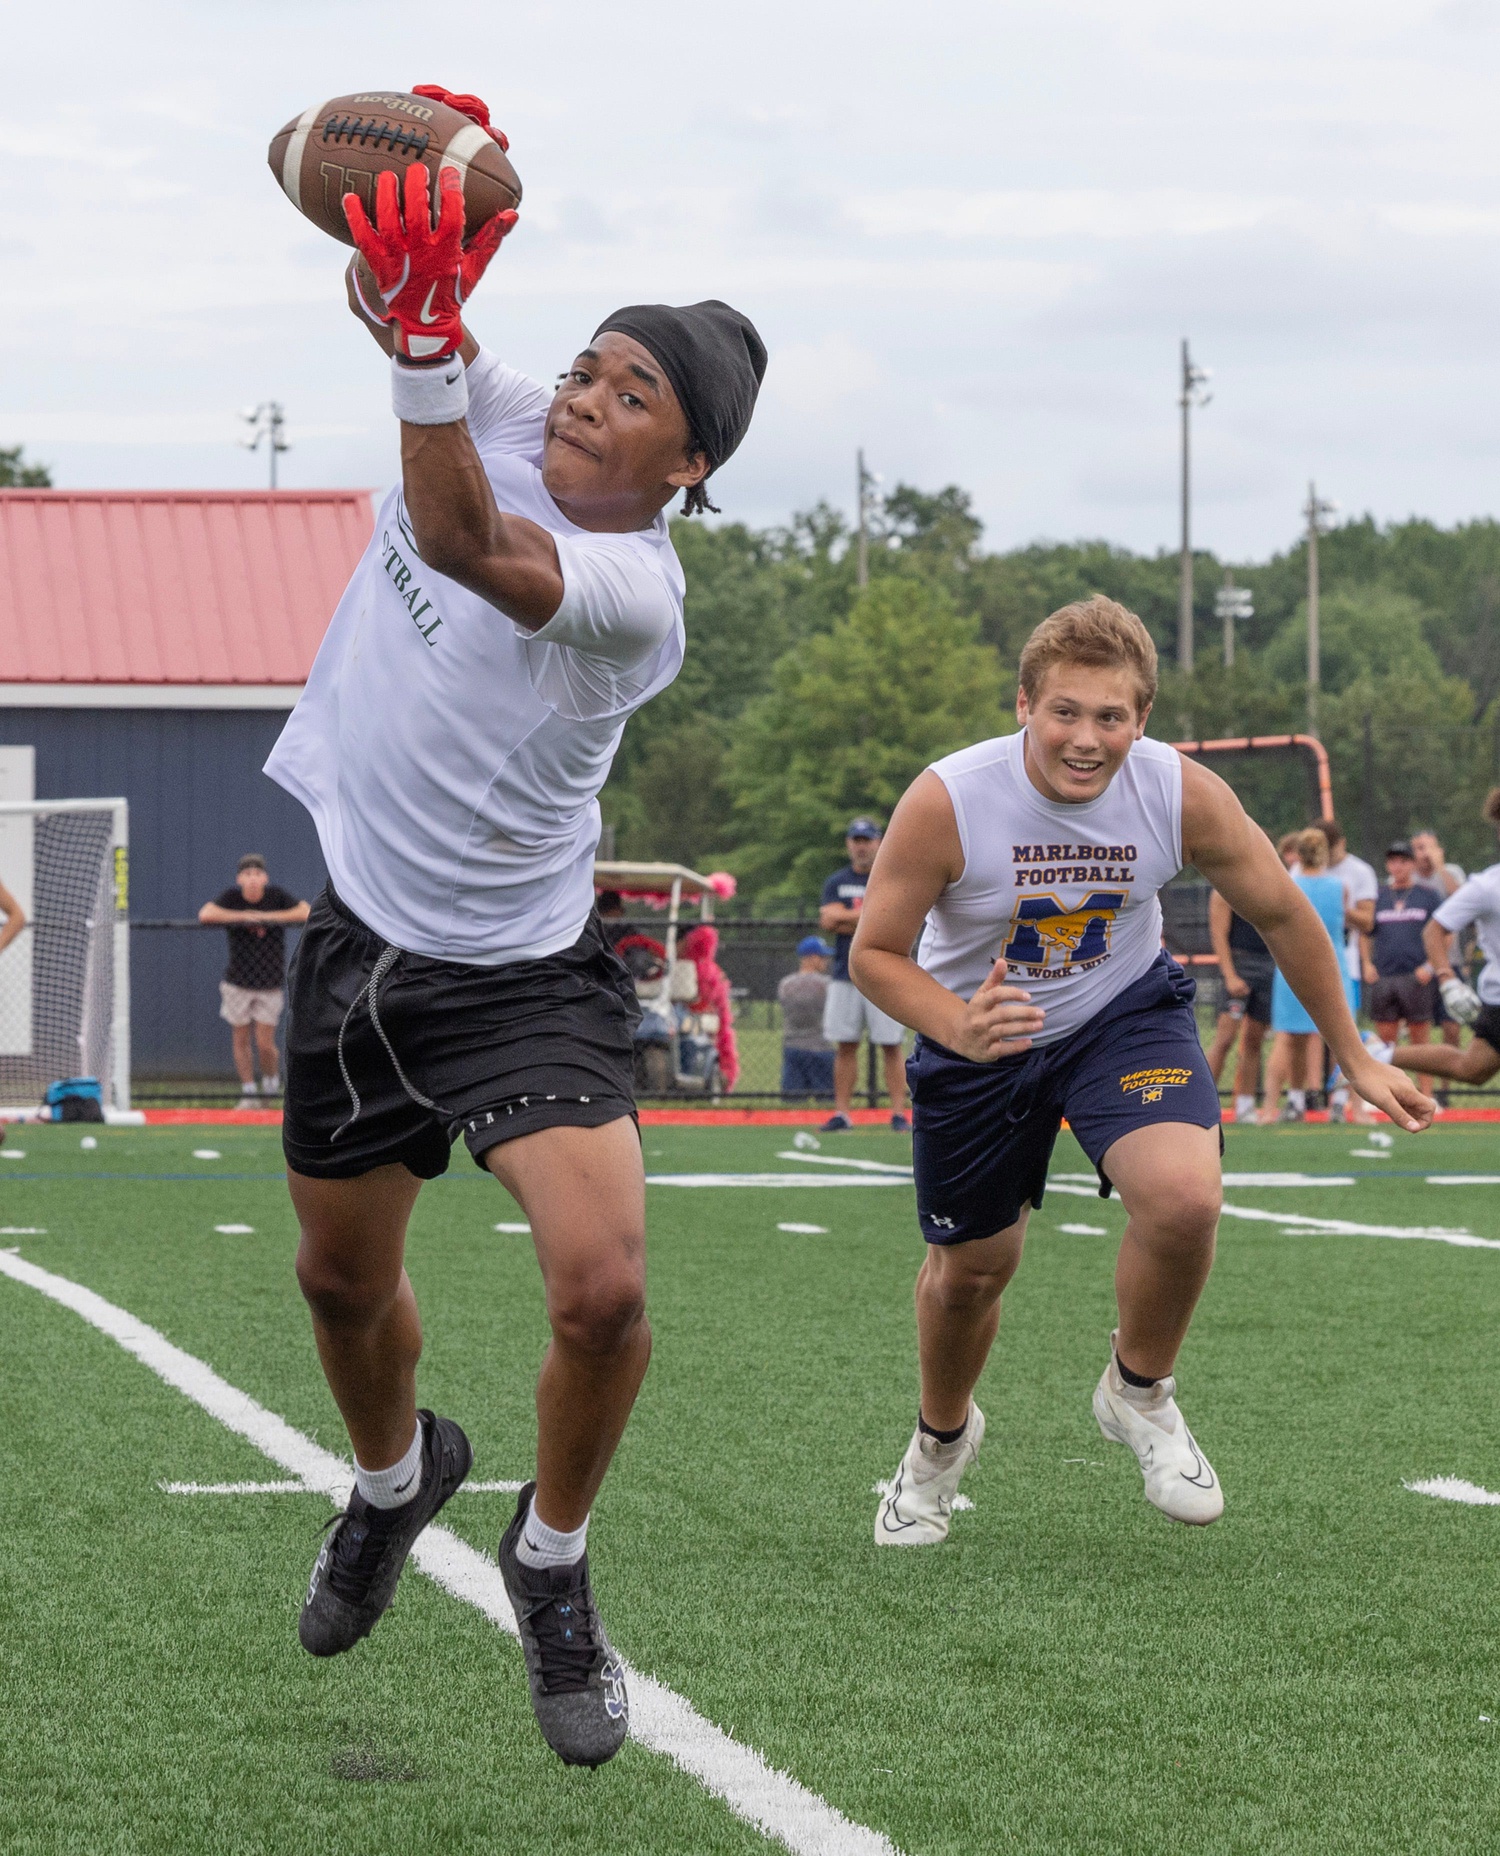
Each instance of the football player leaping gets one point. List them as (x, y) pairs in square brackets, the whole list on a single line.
[(1037, 857), (519, 600)]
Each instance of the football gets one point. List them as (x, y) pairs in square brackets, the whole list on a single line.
[(340, 146)]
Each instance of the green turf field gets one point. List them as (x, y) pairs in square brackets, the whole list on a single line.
[(1319, 1672)]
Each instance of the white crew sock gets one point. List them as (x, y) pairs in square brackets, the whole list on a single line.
[(393, 1487), (1244, 1108), (1297, 1099), (541, 1545)]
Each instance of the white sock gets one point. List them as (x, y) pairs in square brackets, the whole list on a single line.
[(541, 1545), (1297, 1098), (247, 1089), (1244, 1108), (270, 1085), (393, 1487)]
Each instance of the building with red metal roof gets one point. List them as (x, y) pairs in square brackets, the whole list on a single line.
[(152, 643)]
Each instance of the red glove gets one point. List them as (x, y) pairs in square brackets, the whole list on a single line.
[(424, 274), (471, 106)]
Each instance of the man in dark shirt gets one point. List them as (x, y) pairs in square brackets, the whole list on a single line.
[(257, 914), (1247, 970), (848, 1013), (1396, 968)]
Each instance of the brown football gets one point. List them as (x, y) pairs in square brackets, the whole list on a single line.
[(340, 146)]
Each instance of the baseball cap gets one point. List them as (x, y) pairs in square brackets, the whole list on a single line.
[(863, 828), (1399, 847), (810, 944), (252, 860)]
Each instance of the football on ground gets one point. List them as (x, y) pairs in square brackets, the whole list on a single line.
[(340, 146)]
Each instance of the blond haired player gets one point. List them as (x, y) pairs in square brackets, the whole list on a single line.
[(1036, 858)]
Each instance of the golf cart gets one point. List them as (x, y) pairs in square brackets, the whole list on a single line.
[(675, 1047)]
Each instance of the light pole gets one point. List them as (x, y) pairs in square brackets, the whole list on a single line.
[(1232, 602), (1194, 379), (867, 489), (267, 421), (1315, 510)]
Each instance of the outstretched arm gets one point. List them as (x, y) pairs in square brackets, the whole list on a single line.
[(919, 857), (1237, 857)]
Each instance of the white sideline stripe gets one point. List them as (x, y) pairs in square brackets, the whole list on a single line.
[(660, 1719), (1245, 1180), (1455, 1489), (777, 1179), (303, 1488), (858, 1166), (1329, 1227), (1463, 1179)]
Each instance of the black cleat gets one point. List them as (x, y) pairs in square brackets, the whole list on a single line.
[(354, 1579), (577, 1681)]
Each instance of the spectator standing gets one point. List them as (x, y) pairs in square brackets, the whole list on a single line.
[(1296, 1057), (806, 1055), (848, 1014), (252, 993), (1247, 970), (1399, 976), (1435, 872), (1360, 888)]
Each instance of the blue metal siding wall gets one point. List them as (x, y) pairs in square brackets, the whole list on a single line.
[(198, 801)]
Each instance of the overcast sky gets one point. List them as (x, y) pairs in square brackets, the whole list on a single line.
[(971, 234)]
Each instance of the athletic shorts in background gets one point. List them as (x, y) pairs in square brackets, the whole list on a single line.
[(1403, 995), (496, 1052), (982, 1133), (249, 1005), (1258, 971), (848, 1014)]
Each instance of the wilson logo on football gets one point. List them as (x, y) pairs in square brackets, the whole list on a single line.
[(1150, 1084)]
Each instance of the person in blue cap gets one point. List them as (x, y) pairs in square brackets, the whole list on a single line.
[(806, 1055), (849, 1014)]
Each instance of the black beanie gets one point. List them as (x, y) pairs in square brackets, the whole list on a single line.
[(714, 359)]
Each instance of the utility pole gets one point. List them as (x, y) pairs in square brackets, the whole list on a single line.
[(867, 489), (1315, 511), (1194, 379), (267, 421)]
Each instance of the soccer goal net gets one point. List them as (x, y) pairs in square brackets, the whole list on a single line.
[(65, 980)]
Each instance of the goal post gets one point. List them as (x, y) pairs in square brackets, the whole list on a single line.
[(65, 980)]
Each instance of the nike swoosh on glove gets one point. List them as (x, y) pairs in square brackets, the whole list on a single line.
[(1462, 1001), (424, 273)]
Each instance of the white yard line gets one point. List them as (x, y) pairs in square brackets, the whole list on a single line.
[(1463, 1179), (1327, 1227), (860, 1166), (777, 1179), (1255, 1180), (1455, 1489), (305, 1488), (660, 1719)]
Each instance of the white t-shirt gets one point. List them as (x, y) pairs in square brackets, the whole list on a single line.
[(1478, 901), (452, 760), (1360, 885)]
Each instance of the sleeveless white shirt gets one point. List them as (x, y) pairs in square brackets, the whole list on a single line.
[(1067, 893)]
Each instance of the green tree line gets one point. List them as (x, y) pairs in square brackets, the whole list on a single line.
[(805, 699)]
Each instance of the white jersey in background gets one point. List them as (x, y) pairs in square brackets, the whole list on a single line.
[(1478, 901), (1360, 885), (1067, 893), (452, 760)]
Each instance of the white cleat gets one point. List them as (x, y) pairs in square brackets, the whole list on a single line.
[(1179, 1478), (917, 1508)]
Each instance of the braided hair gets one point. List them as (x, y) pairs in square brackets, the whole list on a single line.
[(695, 501)]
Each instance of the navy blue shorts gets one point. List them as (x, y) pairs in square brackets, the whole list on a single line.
[(982, 1133)]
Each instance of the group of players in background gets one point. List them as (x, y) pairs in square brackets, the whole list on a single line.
[(519, 600), (1403, 944)]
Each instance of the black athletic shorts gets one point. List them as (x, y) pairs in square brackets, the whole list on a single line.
[(398, 1069), (1258, 971)]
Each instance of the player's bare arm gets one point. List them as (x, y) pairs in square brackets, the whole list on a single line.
[(1239, 860), (212, 916), (919, 857), (1220, 916)]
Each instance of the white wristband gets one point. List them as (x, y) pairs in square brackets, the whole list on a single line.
[(430, 395)]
